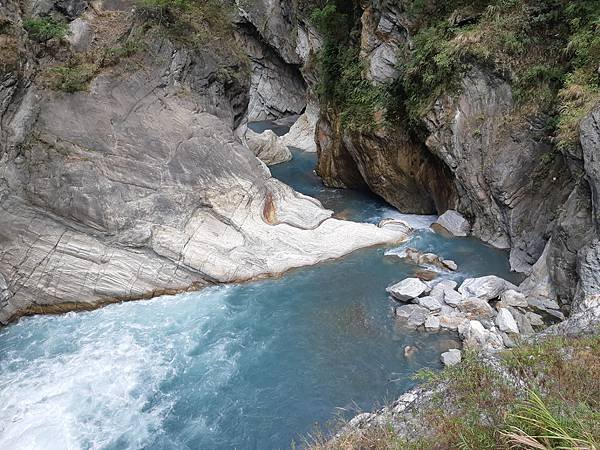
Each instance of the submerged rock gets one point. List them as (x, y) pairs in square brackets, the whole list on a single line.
[(428, 259)]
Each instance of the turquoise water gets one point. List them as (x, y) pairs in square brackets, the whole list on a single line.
[(249, 366)]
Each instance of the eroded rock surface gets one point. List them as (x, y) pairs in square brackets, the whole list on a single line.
[(137, 186)]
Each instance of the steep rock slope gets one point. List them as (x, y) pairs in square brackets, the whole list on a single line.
[(429, 110), (128, 182)]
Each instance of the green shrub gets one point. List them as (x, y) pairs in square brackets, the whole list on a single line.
[(72, 77), (43, 29)]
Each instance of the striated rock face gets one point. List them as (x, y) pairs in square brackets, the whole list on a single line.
[(137, 186), (276, 88), (267, 147), (385, 160), (503, 180)]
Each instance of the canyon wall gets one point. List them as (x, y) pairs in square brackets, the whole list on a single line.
[(121, 177), (475, 145)]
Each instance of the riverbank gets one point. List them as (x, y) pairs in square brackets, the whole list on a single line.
[(542, 394)]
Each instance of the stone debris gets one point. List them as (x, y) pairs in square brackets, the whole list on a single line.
[(488, 312)]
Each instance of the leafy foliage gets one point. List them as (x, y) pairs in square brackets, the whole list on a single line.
[(42, 29), (74, 76)]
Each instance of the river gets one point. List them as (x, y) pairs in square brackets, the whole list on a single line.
[(248, 366)]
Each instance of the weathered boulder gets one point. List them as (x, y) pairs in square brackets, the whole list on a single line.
[(506, 322), (441, 287), (475, 335), (431, 303), (81, 35), (412, 315), (451, 357), (407, 289), (475, 308), (432, 323), (512, 298), (485, 288), (452, 321), (267, 147), (453, 222)]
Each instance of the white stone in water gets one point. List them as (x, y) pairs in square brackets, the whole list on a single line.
[(431, 303), (451, 357), (454, 222), (395, 224), (407, 289), (485, 288), (449, 264), (506, 322), (267, 147)]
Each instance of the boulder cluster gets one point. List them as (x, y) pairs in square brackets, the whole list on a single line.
[(489, 313)]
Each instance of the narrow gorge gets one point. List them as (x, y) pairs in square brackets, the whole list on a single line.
[(325, 206)]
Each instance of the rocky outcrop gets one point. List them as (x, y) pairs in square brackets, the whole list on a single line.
[(136, 186), (504, 179), (267, 147), (276, 87), (302, 133), (488, 313)]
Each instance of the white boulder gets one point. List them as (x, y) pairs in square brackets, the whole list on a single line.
[(453, 222), (451, 357), (407, 289), (267, 147), (506, 322), (431, 303), (485, 288)]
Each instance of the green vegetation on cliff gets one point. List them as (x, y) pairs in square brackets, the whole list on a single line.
[(542, 396), (548, 50), (342, 86), (43, 29)]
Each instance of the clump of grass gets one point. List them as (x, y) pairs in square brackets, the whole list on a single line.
[(190, 21), (556, 406), (42, 29), (112, 55), (534, 426), (74, 76)]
